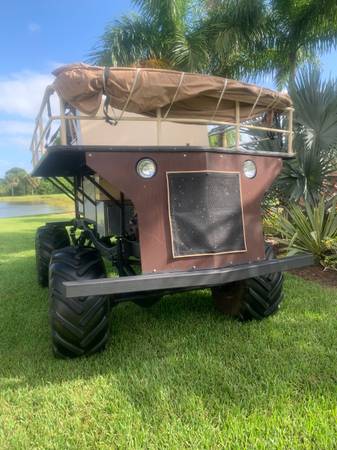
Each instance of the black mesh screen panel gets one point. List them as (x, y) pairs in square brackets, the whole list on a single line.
[(205, 213)]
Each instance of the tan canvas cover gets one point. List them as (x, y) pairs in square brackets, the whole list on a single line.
[(183, 95)]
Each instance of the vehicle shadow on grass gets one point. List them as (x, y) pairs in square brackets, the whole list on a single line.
[(181, 348)]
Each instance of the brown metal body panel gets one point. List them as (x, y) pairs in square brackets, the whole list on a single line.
[(150, 198)]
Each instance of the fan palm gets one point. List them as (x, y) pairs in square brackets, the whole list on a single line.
[(315, 125)]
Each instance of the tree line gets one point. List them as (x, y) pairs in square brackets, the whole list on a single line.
[(18, 182)]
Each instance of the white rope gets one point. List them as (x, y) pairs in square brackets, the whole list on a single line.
[(130, 93), (105, 73), (269, 107), (175, 95), (256, 102), (272, 103), (115, 118), (219, 101), (110, 120)]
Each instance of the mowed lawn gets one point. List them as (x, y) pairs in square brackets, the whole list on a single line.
[(175, 376)]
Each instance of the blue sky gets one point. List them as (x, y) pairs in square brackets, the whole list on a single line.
[(35, 37)]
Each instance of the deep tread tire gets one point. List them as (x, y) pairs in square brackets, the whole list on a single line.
[(48, 239), (79, 326), (254, 298)]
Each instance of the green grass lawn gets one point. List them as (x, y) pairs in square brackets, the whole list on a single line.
[(175, 376)]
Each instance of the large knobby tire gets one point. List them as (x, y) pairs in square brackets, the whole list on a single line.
[(254, 298), (79, 326), (48, 239)]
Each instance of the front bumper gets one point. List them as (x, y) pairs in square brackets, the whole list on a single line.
[(175, 281)]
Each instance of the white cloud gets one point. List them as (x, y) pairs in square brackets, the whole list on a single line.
[(33, 27), (16, 127), (20, 99), (19, 142), (15, 134), (21, 93)]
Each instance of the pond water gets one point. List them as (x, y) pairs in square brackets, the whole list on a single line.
[(26, 209)]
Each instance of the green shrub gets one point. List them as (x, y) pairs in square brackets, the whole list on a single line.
[(271, 216), (310, 229)]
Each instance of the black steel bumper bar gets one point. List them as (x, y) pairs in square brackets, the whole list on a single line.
[(182, 280)]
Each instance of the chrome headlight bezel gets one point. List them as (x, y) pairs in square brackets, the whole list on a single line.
[(249, 169), (146, 168)]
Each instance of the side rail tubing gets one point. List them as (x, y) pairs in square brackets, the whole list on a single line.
[(63, 127)]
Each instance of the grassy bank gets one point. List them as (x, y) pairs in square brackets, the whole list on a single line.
[(58, 200), (177, 375)]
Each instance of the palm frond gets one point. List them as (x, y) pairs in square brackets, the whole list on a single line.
[(315, 102), (167, 14), (189, 51), (315, 143), (126, 41)]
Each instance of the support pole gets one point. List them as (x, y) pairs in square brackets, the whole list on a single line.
[(63, 123), (238, 124), (41, 139), (77, 181), (55, 182), (158, 126), (290, 129)]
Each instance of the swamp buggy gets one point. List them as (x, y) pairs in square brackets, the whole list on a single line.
[(131, 148)]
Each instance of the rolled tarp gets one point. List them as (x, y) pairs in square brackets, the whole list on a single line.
[(178, 95)]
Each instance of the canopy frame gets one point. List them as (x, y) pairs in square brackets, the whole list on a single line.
[(45, 121)]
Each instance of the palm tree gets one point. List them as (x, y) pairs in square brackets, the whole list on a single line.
[(15, 177), (315, 143), (303, 30), (245, 38), (232, 38), (163, 35), (252, 37)]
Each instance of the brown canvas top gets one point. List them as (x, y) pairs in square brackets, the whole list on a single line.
[(179, 95)]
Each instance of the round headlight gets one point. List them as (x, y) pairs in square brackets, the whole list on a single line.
[(249, 169), (146, 168)]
